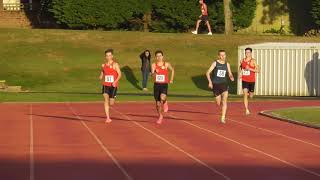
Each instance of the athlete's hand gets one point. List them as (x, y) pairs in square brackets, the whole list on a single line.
[(114, 84), (232, 78), (210, 85), (171, 81), (247, 67), (240, 77)]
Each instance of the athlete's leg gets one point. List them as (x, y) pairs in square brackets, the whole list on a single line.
[(164, 102), (245, 100), (160, 111), (224, 105), (197, 26), (218, 100), (209, 27), (106, 107)]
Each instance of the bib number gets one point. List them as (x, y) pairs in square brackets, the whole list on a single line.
[(246, 72), (109, 79), (221, 73), (160, 78)]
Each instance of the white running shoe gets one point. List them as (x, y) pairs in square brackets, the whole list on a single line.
[(210, 33), (194, 32)]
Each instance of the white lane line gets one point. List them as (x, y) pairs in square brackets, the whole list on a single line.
[(266, 130), (253, 149), (31, 150), (173, 145), (125, 173)]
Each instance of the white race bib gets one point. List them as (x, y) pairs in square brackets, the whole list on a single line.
[(160, 78), (109, 79), (221, 73), (246, 72)]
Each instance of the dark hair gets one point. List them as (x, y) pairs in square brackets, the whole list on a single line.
[(250, 49), (221, 50), (158, 51), (144, 53), (108, 51)]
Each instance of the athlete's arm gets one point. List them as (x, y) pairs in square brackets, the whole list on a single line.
[(230, 72), (213, 65), (101, 73), (117, 68), (257, 69), (172, 72), (153, 68)]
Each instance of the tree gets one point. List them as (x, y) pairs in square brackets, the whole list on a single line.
[(227, 17), (315, 11)]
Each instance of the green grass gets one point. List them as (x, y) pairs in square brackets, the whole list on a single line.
[(68, 61), (306, 115)]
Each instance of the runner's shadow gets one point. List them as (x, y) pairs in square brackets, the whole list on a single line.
[(65, 118), (113, 118), (195, 112), (312, 74), (156, 117), (131, 77)]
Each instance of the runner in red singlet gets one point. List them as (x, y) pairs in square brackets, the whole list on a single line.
[(110, 76), (248, 69), (203, 17), (160, 70)]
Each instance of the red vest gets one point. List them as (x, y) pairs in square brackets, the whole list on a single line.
[(109, 74), (161, 75), (247, 75)]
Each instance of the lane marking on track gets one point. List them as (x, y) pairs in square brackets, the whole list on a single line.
[(251, 148), (31, 150), (174, 146), (266, 130), (105, 149)]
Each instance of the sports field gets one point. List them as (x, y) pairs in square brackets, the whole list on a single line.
[(56, 128), (68, 62)]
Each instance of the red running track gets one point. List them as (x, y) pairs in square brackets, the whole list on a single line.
[(71, 141)]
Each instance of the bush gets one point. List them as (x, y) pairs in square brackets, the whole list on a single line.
[(243, 13), (167, 15), (315, 11)]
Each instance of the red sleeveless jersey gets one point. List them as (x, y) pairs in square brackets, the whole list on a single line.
[(161, 75), (109, 74), (247, 75), (204, 9)]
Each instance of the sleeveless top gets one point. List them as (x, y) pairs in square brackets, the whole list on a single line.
[(161, 75), (109, 74), (219, 73), (247, 75)]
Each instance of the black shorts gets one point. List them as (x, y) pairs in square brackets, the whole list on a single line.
[(204, 18), (111, 91), (159, 89), (218, 89), (248, 85)]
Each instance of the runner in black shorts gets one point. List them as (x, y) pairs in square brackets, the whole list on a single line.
[(160, 71), (203, 17), (217, 78), (158, 90), (247, 73), (110, 76), (111, 91)]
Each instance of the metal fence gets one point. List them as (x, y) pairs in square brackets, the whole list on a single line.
[(287, 69)]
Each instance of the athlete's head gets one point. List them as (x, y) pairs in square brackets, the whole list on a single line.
[(159, 55), (248, 52), (109, 54), (222, 55)]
